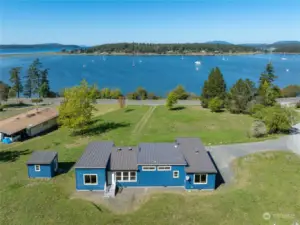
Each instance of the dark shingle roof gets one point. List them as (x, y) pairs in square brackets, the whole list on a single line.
[(196, 156), (42, 157), (123, 159), (96, 155), (160, 154)]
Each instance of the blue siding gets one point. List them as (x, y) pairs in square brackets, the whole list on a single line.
[(47, 171), (101, 173), (157, 178), (211, 182)]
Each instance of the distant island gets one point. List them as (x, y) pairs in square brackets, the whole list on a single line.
[(40, 46)]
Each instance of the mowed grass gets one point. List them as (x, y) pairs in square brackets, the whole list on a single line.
[(265, 183), (212, 128)]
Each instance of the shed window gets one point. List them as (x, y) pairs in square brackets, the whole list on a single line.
[(164, 168), (200, 179), (37, 168), (126, 176), (90, 179), (175, 174), (148, 168)]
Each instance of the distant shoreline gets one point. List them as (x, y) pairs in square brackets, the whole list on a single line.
[(141, 54)]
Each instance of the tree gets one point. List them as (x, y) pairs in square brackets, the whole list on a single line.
[(15, 79), (33, 79), (171, 100), (181, 93), (44, 88), (215, 104), (291, 91), (115, 93), (151, 95), (105, 93), (4, 89), (141, 93), (76, 110), (268, 94), (215, 86), (132, 96), (12, 93), (239, 96), (268, 75)]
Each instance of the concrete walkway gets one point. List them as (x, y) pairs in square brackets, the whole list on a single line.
[(223, 155)]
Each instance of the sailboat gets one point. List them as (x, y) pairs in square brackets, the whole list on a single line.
[(284, 58), (223, 58), (198, 63), (182, 57)]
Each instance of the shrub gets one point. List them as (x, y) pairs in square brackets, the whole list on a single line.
[(215, 104), (152, 96), (255, 110), (171, 100), (36, 100), (258, 129), (1, 108), (298, 105)]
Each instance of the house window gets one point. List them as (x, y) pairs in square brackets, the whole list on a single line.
[(200, 179), (90, 179), (37, 168), (148, 168), (175, 174), (126, 176), (164, 168)]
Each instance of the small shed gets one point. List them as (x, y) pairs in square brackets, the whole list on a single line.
[(42, 164)]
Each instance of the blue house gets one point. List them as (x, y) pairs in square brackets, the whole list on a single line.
[(42, 164), (184, 163)]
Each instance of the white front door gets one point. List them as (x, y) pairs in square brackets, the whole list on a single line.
[(113, 178)]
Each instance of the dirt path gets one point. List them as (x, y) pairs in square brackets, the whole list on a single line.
[(141, 124)]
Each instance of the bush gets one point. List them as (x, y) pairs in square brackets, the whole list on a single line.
[(171, 100), (215, 104), (258, 129), (1, 108), (204, 102), (36, 100), (255, 110), (152, 96), (298, 105)]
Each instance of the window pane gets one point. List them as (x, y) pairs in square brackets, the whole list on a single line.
[(118, 176), (125, 174), (203, 178), (132, 175), (87, 179), (125, 177), (197, 178), (94, 179)]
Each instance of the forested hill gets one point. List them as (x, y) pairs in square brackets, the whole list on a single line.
[(169, 48), (50, 45)]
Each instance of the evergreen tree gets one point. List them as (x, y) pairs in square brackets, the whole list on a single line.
[(33, 79), (141, 93), (215, 86), (44, 88), (181, 93), (171, 100), (15, 79)]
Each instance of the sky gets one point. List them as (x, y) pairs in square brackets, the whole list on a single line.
[(92, 22)]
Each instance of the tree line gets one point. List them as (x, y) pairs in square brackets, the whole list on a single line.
[(34, 83), (131, 48), (245, 98)]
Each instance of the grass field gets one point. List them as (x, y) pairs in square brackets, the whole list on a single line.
[(265, 183)]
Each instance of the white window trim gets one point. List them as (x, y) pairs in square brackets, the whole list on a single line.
[(200, 179), (176, 171), (164, 168), (129, 176), (90, 174), (37, 166), (148, 168)]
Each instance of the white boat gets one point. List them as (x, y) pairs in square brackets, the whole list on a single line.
[(83, 66), (140, 61), (287, 70), (181, 57), (198, 63), (284, 58), (223, 58)]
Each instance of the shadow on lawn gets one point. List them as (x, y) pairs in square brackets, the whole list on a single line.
[(97, 128), (128, 110), (177, 108), (12, 156), (64, 167), (219, 177)]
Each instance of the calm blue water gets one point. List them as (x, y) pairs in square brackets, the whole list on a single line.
[(157, 74)]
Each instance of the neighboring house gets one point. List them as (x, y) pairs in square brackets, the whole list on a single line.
[(184, 163), (42, 164), (28, 124)]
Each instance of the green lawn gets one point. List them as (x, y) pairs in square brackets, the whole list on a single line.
[(268, 182)]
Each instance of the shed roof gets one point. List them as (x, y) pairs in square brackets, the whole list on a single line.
[(160, 154), (96, 155), (31, 118), (41, 157), (124, 158), (196, 156)]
